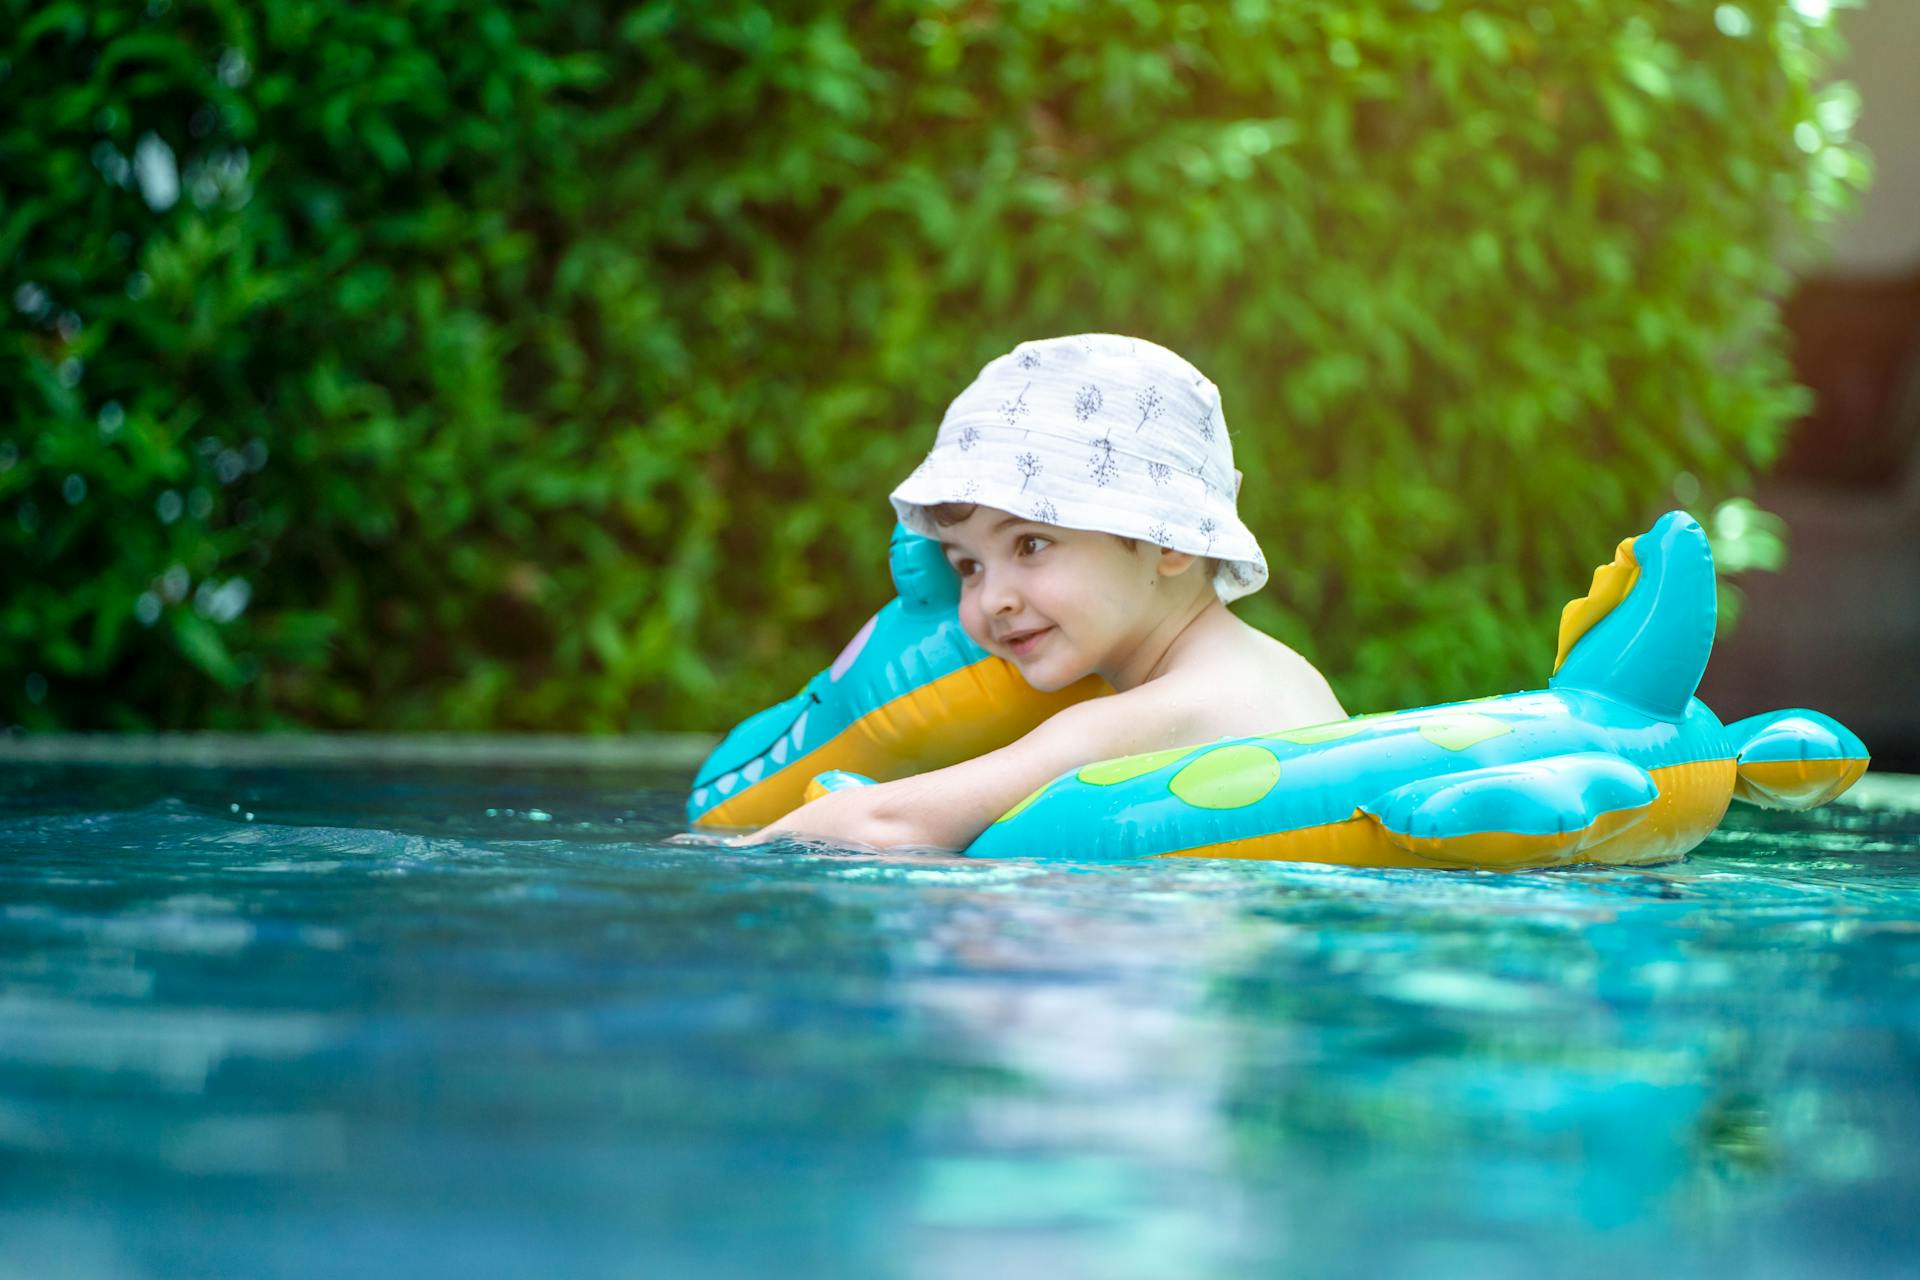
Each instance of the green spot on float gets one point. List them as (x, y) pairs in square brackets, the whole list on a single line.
[(1227, 778), (1105, 773), (1457, 733), (1023, 804), (1313, 733)]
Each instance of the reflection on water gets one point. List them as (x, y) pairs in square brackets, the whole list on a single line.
[(324, 1024)]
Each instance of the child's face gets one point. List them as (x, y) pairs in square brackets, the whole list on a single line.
[(1057, 603)]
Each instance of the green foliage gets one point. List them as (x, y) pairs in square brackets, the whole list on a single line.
[(544, 365)]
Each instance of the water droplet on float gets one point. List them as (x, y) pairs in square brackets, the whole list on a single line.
[(539, 815)]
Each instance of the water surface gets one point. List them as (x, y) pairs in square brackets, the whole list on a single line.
[(338, 1023)]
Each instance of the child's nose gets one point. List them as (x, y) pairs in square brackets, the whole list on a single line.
[(997, 595)]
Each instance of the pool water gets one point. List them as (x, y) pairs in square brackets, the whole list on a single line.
[(328, 1023)]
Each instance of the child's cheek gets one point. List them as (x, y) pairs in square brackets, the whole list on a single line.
[(971, 620)]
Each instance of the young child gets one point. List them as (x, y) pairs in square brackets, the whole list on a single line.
[(1083, 489)]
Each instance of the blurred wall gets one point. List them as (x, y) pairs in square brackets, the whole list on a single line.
[(1839, 627), (1883, 238)]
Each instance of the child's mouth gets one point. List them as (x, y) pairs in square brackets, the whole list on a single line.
[(1023, 644)]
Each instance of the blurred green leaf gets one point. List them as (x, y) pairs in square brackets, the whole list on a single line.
[(201, 645), (546, 366)]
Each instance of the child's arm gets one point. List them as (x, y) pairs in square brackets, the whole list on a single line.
[(947, 808)]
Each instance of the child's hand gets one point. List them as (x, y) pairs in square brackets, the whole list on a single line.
[(845, 818)]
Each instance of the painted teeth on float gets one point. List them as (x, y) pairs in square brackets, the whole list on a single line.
[(1614, 762)]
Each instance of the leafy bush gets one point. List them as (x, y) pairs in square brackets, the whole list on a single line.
[(524, 365)]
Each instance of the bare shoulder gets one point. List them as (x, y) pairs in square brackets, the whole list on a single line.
[(1246, 681), (1239, 681)]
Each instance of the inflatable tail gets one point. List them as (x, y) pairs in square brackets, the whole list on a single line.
[(1643, 631), (1796, 759)]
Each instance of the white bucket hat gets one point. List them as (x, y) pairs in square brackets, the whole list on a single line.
[(1096, 431)]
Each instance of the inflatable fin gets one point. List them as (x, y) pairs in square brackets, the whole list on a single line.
[(1643, 632), (922, 578), (1541, 811), (1795, 759)]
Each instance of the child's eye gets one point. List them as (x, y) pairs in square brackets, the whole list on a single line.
[(964, 568), (1032, 538)]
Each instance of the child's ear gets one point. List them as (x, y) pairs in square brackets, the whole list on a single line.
[(1174, 563)]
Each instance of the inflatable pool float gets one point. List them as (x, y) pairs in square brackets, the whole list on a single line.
[(1614, 762)]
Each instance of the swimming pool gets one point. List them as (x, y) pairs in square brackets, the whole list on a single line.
[(403, 1022)]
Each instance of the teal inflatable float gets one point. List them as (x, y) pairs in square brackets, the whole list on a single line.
[(1615, 761)]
